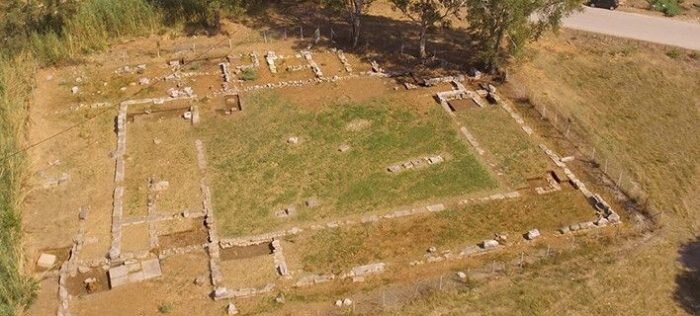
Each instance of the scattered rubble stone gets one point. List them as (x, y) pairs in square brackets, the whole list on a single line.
[(200, 280), (602, 221), (461, 275), (279, 299), (231, 309), (74, 89), (293, 140), (83, 269), (614, 218), (501, 238), (343, 148)]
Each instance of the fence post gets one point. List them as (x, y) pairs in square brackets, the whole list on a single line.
[(301, 32)]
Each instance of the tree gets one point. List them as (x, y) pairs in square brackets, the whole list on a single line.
[(353, 10), (503, 27), (427, 13)]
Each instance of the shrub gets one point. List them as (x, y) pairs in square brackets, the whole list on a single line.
[(165, 308), (248, 74), (674, 53), (668, 7)]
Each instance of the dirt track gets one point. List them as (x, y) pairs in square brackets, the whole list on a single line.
[(637, 26)]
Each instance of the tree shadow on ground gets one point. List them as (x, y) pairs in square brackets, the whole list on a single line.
[(687, 292), (382, 38)]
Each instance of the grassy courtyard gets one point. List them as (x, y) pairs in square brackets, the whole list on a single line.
[(256, 171)]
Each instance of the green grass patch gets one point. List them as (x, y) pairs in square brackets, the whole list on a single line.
[(514, 153), (257, 171)]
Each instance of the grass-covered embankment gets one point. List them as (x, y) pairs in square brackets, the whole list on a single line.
[(33, 37)]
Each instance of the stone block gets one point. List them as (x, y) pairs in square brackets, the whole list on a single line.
[(221, 293), (82, 215), (136, 277), (46, 261), (312, 202), (436, 207), (469, 250), (151, 268), (587, 225), (613, 218), (532, 234), (118, 276), (435, 159), (394, 168), (489, 244), (602, 221), (368, 269)]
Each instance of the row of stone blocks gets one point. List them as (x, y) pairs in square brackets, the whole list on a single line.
[(357, 274), (518, 119), (344, 61), (268, 237), (131, 271), (606, 215)]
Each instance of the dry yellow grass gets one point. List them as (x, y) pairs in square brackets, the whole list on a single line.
[(637, 105)]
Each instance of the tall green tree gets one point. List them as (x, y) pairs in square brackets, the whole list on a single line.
[(427, 13), (353, 10), (504, 27)]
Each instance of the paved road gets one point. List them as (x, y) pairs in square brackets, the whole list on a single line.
[(637, 26)]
